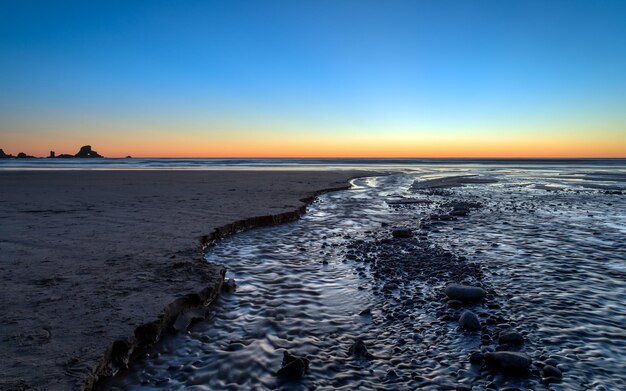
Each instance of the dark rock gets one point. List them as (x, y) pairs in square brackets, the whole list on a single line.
[(550, 371), (476, 358), (511, 338), (469, 321), (87, 152), (22, 155), (293, 367), (4, 155), (120, 352), (52, 154), (358, 349), (508, 361), (229, 285), (401, 233), (365, 312), (183, 321), (461, 212), (464, 293)]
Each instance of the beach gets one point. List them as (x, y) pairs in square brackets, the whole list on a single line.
[(90, 256), (437, 278)]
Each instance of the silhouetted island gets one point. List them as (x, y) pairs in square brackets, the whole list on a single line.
[(85, 152)]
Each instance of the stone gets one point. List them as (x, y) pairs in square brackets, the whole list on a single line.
[(401, 233), (511, 338), (464, 293), (365, 312), (359, 350), (550, 371), (229, 285), (22, 155), (508, 361), (469, 321), (476, 358), (292, 367)]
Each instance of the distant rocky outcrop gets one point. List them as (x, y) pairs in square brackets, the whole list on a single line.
[(87, 152), (4, 155)]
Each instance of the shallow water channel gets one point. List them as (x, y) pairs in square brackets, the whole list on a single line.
[(548, 245)]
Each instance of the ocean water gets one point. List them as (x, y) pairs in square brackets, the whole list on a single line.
[(288, 164), (547, 241)]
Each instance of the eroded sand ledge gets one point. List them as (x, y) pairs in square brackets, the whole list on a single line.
[(88, 258)]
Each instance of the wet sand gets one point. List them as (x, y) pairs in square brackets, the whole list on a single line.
[(86, 257)]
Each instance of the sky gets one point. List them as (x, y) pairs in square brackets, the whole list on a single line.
[(314, 78)]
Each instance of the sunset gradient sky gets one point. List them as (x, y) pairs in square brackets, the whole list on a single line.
[(314, 79)]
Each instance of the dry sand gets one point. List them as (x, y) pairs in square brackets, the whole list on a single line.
[(88, 256)]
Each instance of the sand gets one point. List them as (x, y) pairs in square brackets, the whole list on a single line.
[(87, 257)]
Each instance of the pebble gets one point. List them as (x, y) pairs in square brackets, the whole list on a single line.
[(293, 367), (511, 338), (464, 293), (550, 371), (476, 358), (508, 361), (358, 349), (401, 233), (469, 321)]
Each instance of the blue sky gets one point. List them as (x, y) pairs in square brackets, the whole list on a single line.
[(319, 71)]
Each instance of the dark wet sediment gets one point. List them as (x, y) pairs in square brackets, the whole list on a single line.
[(368, 308)]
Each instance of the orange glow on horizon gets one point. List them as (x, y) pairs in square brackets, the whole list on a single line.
[(333, 147)]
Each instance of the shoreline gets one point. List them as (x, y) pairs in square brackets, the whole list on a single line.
[(187, 271), (184, 309)]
